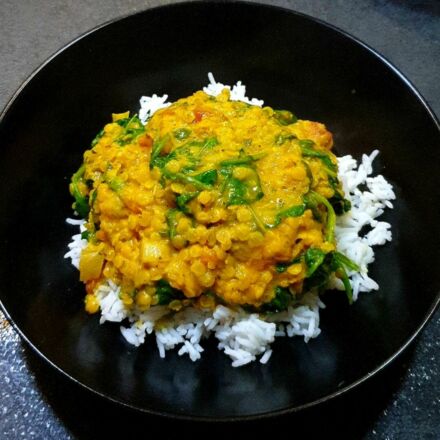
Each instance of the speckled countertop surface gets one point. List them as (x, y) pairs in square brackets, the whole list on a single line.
[(401, 403)]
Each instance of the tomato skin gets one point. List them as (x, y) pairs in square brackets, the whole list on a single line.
[(91, 285), (198, 116), (146, 141)]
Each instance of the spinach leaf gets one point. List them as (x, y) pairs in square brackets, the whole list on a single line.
[(281, 138), (191, 152), (338, 201), (133, 127), (115, 184), (97, 138), (172, 221), (307, 149), (234, 192), (313, 205), (183, 199), (259, 223), (238, 192), (282, 267), (172, 218), (81, 204), (309, 173), (166, 293), (158, 146), (339, 264), (293, 211), (319, 278), (313, 258), (88, 235), (242, 160), (93, 197), (185, 178), (340, 204), (85, 235), (242, 191), (347, 285), (181, 133), (184, 154), (334, 262), (312, 200), (284, 117), (207, 177), (345, 261), (280, 301), (236, 162), (209, 143)]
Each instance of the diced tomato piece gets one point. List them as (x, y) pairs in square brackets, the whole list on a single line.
[(146, 141), (198, 116)]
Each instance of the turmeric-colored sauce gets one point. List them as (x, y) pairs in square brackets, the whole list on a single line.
[(212, 201)]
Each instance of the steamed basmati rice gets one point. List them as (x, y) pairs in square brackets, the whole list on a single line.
[(242, 336)]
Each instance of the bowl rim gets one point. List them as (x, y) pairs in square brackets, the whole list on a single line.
[(276, 412)]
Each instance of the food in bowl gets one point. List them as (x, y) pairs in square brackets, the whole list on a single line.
[(215, 214)]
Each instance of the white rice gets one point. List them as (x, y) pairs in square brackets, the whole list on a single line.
[(78, 243), (242, 336), (238, 91), (150, 105), (366, 207)]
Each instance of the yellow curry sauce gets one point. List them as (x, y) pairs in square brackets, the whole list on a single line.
[(213, 201)]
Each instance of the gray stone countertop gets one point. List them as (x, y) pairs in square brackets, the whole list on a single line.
[(403, 402)]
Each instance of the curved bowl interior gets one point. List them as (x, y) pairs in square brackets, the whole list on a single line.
[(288, 60)]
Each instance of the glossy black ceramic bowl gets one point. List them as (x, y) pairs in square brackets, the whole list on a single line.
[(289, 60)]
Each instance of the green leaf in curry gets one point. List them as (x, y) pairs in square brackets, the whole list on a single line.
[(240, 192), (208, 144), (181, 133), (183, 199), (280, 301), (207, 177), (115, 184), (339, 264), (189, 154), (281, 267), (97, 138), (312, 200), (313, 258), (187, 179), (284, 117), (172, 218), (81, 204), (308, 150), (158, 145), (242, 159), (133, 128), (172, 221), (165, 293), (282, 138), (293, 211), (340, 204), (333, 262)]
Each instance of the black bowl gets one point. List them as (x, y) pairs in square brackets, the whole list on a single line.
[(291, 61)]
